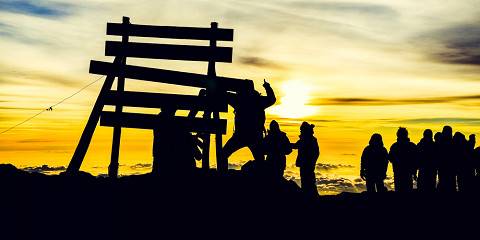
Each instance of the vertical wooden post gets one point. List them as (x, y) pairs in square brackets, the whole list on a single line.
[(117, 131), (87, 133), (222, 165)]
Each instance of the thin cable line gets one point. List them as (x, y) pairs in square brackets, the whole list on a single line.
[(50, 108)]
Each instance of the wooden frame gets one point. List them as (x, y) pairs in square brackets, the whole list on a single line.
[(211, 104)]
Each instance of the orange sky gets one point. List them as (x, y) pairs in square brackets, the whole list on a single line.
[(350, 67)]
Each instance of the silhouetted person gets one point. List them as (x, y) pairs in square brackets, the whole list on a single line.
[(403, 156), (427, 161), (308, 153), (464, 169), (374, 163), (276, 145), (249, 112), (447, 166), (174, 148)]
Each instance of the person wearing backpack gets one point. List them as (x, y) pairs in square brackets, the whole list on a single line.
[(276, 146), (374, 163)]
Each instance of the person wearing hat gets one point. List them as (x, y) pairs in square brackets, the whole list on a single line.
[(308, 153)]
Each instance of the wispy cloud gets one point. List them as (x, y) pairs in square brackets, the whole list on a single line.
[(50, 9), (457, 44), (260, 62), (348, 7), (385, 101), (329, 167), (469, 121), (45, 169)]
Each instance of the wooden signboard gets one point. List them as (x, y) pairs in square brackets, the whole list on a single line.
[(211, 104)]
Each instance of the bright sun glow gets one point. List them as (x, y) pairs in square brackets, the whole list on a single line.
[(293, 103)]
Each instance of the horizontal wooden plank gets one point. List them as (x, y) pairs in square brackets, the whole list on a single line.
[(159, 100), (150, 121), (169, 76), (168, 51), (219, 34)]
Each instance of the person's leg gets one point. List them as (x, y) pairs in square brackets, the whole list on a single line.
[(308, 182), (256, 152), (256, 148), (233, 144), (380, 185), (370, 185)]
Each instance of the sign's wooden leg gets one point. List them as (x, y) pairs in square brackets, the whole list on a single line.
[(87, 134), (117, 131), (222, 163)]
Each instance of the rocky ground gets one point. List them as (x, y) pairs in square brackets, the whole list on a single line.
[(241, 203)]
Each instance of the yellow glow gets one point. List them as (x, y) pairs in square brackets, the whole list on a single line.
[(293, 103)]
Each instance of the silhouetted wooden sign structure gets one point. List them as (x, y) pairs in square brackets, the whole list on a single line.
[(211, 104)]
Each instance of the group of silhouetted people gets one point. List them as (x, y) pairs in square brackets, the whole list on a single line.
[(443, 162), (175, 149)]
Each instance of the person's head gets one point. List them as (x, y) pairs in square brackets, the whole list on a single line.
[(459, 138), (274, 127), (202, 92), (447, 132), (248, 90), (306, 129), (376, 140), (472, 138), (402, 133), (428, 134), (438, 137)]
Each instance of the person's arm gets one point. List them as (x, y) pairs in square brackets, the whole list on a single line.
[(385, 163), (363, 163), (391, 154), (288, 145), (270, 98), (416, 159), (316, 150), (193, 113), (232, 99)]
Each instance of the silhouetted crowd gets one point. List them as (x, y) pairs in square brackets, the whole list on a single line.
[(175, 149), (444, 162)]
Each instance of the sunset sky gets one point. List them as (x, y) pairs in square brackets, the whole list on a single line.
[(352, 68)]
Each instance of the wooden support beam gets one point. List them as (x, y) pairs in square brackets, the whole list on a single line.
[(150, 121), (117, 131), (197, 33), (170, 77), (87, 133), (159, 100), (167, 51)]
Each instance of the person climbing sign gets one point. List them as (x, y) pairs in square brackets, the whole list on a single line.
[(249, 108), (174, 148)]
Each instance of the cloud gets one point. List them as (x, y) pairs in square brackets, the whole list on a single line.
[(338, 184), (469, 121), (141, 166), (459, 44), (259, 62), (50, 9), (383, 101), (235, 166), (328, 167), (348, 7), (45, 169)]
